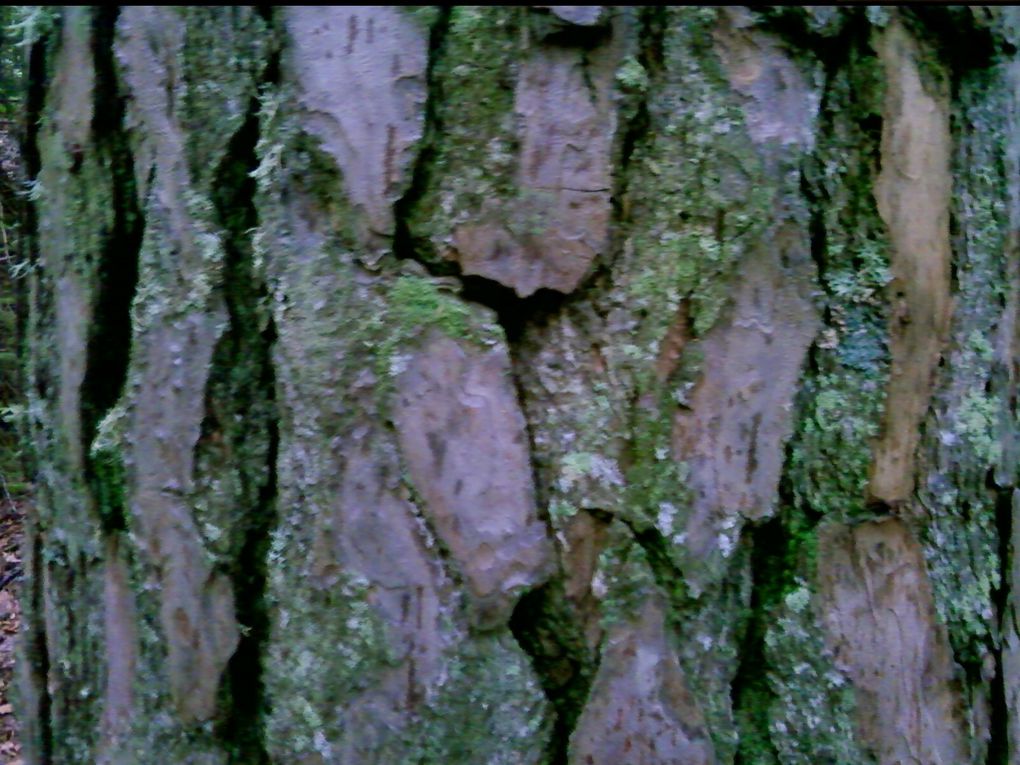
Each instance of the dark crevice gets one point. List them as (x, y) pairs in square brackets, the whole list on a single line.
[(544, 622), (750, 693), (998, 743), (791, 24), (668, 576), (116, 277), (654, 21), (511, 310), (636, 132), (405, 245), (547, 629), (35, 652), (38, 83), (240, 433), (817, 234), (515, 314), (943, 26), (552, 30)]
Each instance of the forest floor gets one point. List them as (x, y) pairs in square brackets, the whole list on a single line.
[(11, 514)]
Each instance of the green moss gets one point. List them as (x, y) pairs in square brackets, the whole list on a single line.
[(475, 146), (971, 409), (307, 696), (977, 420), (839, 410), (576, 451), (156, 733), (700, 199), (623, 578), (108, 488), (348, 327), (72, 608), (656, 481), (842, 399), (490, 709), (812, 716), (417, 302), (74, 218), (380, 318), (698, 191), (631, 77), (223, 55)]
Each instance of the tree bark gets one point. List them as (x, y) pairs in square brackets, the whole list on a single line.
[(556, 384)]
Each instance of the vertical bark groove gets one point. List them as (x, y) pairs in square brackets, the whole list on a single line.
[(752, 696), (999, 744), (108, 349), (242, 389), (35, 660), (405, 245)]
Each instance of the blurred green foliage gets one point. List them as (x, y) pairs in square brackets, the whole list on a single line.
[(13, 54)]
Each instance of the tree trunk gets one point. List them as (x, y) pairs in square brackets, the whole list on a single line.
[(524, 385)]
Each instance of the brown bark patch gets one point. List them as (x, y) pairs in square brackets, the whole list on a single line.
[(551, 232), (360, 74), (463, 435), (739, 417), (913, 193), (879, 616)]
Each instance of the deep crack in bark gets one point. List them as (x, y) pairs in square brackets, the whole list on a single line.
[(405, 245), (108, 350), (36, 652), (241, 409), (750, 693)]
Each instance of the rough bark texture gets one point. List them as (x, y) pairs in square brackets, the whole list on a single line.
[(550, 384)]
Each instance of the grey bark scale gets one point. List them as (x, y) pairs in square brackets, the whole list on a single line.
[(523, 385)]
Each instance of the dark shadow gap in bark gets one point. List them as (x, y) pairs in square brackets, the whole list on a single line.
[(36, 86), (108, 350), (942, 27), (35, 653), (515, 314), (668, 576), (543, 622), (750, 692), (551, 30), (840, 58), (998, 743), (793, 25), (35, 100), (636, 132), (546, 628), (240, 433), (406, 246)]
